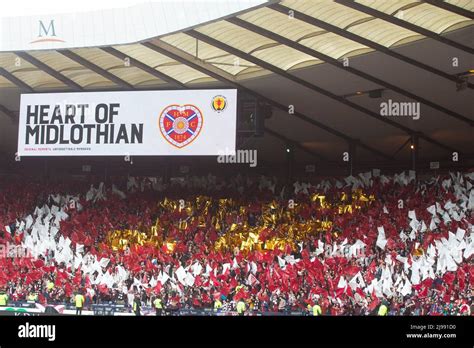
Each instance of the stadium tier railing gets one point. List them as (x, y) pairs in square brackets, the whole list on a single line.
[(110, 309)]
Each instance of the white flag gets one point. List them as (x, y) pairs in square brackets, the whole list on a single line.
[(79, 248), (281, 262), (29, 222), (342, 283), (197, 269), (152, 283), (381, 241), (181, 275), (164, 278), (117, 192), (432, 209), (235, 264), (189, 280), (225, 267), (406, 288), (460, 234), (253, 267), (104, 262)]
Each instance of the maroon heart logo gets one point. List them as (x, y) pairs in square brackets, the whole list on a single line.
[(180, 124)]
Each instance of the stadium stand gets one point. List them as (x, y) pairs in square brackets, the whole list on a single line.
[(346, 245)]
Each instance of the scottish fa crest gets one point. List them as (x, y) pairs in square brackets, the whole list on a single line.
[(219, 103)]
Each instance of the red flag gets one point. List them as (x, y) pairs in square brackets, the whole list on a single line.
[(461, 278), (225, 289), (239, 295), (38, 263), (68, 289), (88, 282), (77, 278), (373, 304), (28, 280), (305, 254), (213, 278), (339, 292), (360, 292), (251, 279), (351, 270), (157, 288), (206, 298), (103, 288), (446, 298), (448, 278), (423, 292), (49, 269), (19, 238), (328, 238)]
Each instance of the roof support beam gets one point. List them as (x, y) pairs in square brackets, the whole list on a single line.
[(15, 80), (134, 62), (362, 40), (201, 63), (297, 46), (402, 146), (309, 85), (95, 68), (167, 78), (295, 143), (50, 71), (183, 58), (451, 8), (404, 24), (7, 112)]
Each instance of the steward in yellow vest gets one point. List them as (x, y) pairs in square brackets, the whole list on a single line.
[(383, 310), (3, 298), (32, 297), (217, 305), (317, 310), (158, 306), (137, 306), (79, 300), (241, 307)]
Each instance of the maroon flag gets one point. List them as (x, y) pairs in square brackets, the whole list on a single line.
[(375, 302), (38, 263), (360, 292)]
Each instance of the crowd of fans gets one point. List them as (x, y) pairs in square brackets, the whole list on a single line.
[(346, 247)]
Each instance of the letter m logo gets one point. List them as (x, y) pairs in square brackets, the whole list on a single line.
[(47, 31)]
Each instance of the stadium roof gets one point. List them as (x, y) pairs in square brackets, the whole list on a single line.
[(324, 57)]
